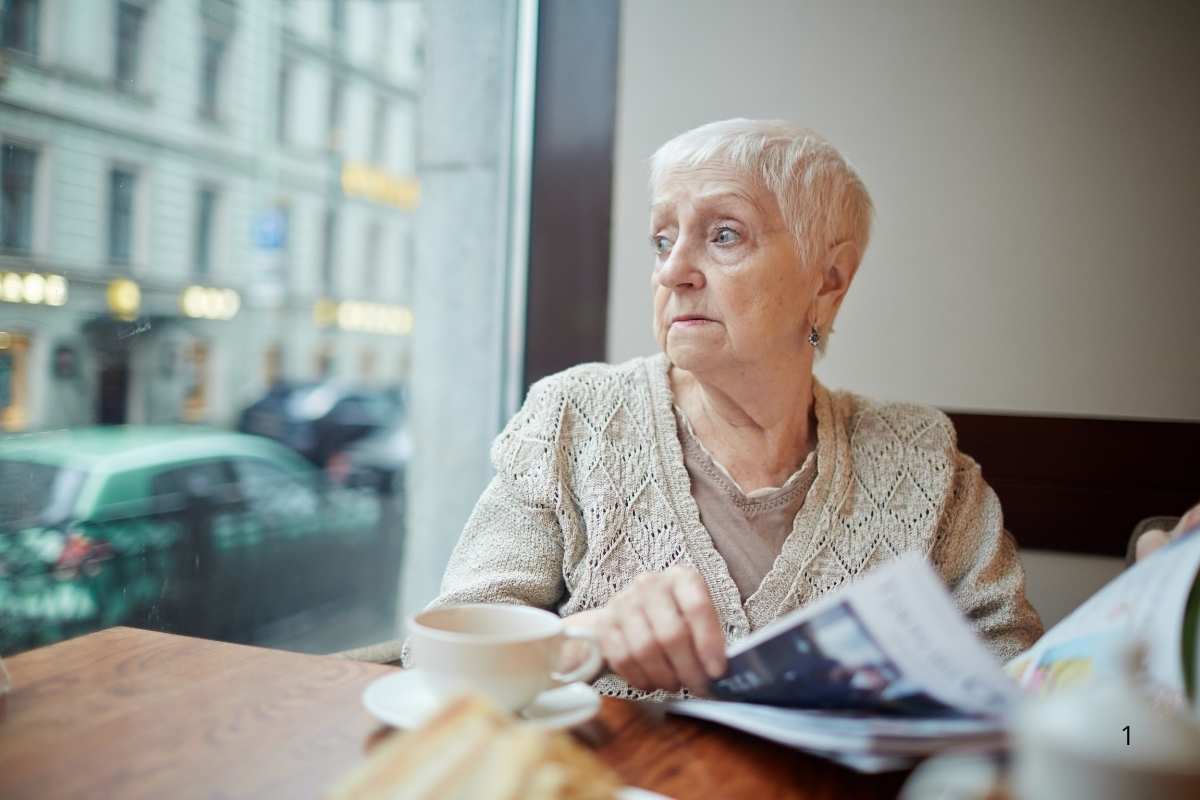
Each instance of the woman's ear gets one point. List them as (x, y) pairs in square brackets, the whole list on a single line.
[(837, 271)]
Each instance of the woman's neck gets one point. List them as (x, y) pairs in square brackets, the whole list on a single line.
[(758, 423)]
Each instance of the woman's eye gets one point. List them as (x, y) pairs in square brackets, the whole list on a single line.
[(661, 244), (726, 235)]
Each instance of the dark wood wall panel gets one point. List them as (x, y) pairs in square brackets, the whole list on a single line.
[(574, 122), (1079, 485)]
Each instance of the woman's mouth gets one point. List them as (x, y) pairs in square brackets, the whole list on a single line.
[(690, 320)]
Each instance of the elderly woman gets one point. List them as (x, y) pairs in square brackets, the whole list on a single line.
[(676, 503)]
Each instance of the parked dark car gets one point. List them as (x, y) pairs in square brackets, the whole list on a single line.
[(186, 529), (320, 419), (376, 462)]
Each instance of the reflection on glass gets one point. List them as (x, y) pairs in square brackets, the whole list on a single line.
[(204, 336)]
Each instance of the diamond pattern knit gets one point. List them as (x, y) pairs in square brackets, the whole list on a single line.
[(591, 490)]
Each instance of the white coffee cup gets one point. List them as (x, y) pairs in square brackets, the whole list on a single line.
[(508, 653), (1104, 742)]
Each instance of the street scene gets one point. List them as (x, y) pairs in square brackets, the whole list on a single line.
[(206, 259)]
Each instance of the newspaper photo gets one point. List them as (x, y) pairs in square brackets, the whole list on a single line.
[(892, 643)]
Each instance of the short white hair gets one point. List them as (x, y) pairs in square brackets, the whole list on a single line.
[(821, 197)]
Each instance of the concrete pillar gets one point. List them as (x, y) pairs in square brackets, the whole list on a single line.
[(459, 336)]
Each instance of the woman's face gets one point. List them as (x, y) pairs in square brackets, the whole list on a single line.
[(729, 288)]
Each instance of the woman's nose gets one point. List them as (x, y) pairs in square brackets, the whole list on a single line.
[(679, 270)]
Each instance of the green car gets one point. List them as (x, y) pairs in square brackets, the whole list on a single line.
[(186, 529)]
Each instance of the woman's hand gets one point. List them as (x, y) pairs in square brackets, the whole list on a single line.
[(660, 632), (1151, 540)]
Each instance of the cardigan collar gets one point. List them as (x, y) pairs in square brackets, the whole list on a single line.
[(738, 618)]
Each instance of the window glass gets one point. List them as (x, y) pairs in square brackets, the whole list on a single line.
[(206, 202), (127, 51), (120, 216), (283, 95), (203, 482), (16, 204), (20, 25), (210, 75), (227, 229), (37, 494)]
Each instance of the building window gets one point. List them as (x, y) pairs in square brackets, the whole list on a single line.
[(328, 241), (333, 116), (210, 74), (371, 262), (21, 24), (379, 131), (131, 18), (285, 245), (281, 102), (17, 165), (195, 397), (206, 207), (121, 186), (337, 21), (14, 380)]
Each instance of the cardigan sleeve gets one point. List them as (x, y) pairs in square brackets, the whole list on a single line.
[(511, 550), (978, 558)]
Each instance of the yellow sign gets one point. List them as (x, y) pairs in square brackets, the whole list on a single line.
[(33, 288), (361, 317), (363, 180), (204, 302), (124, 298)]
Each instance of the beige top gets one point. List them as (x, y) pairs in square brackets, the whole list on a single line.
[(748, 530), (591, 490)]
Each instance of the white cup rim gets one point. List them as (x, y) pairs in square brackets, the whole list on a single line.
[(416, 627)]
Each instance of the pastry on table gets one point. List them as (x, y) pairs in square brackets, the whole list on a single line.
[(471, 751)]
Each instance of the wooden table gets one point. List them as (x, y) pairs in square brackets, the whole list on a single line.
[(132, 713)]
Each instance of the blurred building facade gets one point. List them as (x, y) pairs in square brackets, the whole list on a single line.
[(201, 197)]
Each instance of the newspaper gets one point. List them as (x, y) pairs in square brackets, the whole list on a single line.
[(872, 676), (1156, 604), (887, 670), (893, 642)]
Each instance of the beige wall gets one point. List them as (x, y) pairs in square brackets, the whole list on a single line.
[(1036, 173)]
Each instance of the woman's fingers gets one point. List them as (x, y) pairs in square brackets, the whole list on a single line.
[(1148, 542), (674, 635), (691, 596), (662, 632), (620, 657), (1151, 540), (1188, 521), (644, 647)]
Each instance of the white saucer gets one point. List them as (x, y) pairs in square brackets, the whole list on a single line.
[(403, 700), (634, 793)]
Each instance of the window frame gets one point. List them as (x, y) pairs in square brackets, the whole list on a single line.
[(204, 241), (566, 310), (135, 83), (33, 33), (110, 207), (38, 154), (209, 107)]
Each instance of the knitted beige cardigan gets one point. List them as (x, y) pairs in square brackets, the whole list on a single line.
[(591, 491)]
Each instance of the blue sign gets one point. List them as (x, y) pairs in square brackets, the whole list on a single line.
[(270, 229)]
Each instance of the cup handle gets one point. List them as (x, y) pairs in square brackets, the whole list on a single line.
[(591, 665)]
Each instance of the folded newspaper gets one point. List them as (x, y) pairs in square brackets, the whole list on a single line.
[(887, 670)]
